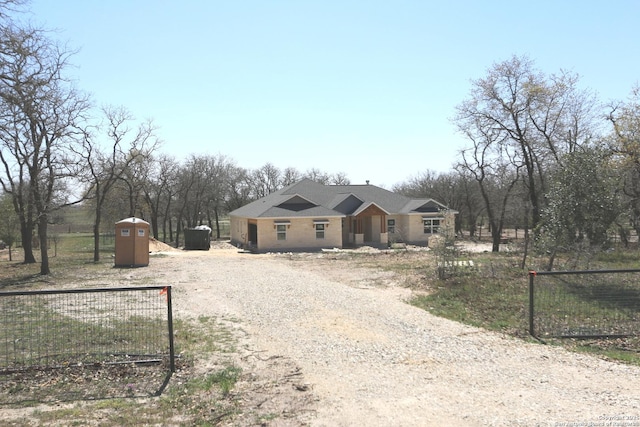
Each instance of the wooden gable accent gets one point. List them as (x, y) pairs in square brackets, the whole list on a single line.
[(372, 210)]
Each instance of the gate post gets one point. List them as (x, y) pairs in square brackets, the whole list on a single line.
[(172, 352), (532, 275)]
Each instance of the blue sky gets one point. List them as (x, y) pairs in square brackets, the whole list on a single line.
[(362, 87)]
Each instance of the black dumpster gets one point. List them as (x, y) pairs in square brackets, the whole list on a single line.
[(198, 238)]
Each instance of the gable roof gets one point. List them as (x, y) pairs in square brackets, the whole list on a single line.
[(345, 203), (307, 198), (369, 206), (423, 206)]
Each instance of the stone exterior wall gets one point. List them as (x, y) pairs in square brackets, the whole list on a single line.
[(300, 235), (410, 228), (301, 232)]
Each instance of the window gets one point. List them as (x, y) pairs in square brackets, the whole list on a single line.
[(391, 226), (319, 231), (281, 231), (431, 225)]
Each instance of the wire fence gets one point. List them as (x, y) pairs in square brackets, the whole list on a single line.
[(584, 304), (104, 342)]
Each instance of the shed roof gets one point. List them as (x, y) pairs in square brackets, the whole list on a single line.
[(132, 220)]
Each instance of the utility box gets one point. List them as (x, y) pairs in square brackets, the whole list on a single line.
[(197, 238), (132, 243)]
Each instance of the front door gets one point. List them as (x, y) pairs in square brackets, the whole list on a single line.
[(253, 234)]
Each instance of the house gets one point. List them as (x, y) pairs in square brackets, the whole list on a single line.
[(308, 216)]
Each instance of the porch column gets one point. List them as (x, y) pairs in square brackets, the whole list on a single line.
[(384, 236)]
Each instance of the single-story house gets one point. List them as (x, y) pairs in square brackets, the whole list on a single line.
[(308, 216)]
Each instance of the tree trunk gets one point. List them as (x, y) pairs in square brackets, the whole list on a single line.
[(526, 241), (531, 185), (27, 244), (552, 259), (166, 218), (215, 212), (96, 241), (153, 206), (44, 250), (178, 225), (154, 224), (496, 234)]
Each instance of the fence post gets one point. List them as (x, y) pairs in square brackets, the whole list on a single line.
[(172, 364), (532, 275)]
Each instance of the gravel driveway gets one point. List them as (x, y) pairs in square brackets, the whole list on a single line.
[(371, 359)]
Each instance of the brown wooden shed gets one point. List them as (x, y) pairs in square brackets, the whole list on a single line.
[(132, 243)]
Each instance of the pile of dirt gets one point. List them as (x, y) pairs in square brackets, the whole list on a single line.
[(158, 246)]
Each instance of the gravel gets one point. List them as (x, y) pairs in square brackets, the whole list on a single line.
[(371, 359)]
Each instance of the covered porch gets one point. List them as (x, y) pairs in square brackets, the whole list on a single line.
[(366, 227)]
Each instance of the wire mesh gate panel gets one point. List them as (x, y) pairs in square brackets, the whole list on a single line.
[(86, 343), (584, 304)]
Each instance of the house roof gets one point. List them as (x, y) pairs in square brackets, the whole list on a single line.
[(307, 198)]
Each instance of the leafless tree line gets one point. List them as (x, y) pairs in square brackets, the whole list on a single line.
[(542, 155), (200, 190)]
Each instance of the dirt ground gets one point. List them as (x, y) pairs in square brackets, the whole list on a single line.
[(324, 344), (331, 345)]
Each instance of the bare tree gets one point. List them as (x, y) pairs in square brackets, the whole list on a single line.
[(538, 117), (265, 180), (41, 112), (450, 188), (207, 180), (340, 178), (238, 191), (187, 187), (490, 161), (157, 191), (318, 176), (219, 172), (290, 176), (125, 150), (7, 7), (625, 144), (10, 224), (326, 178)]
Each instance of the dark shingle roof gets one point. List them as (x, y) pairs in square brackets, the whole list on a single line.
[(308, 198)]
